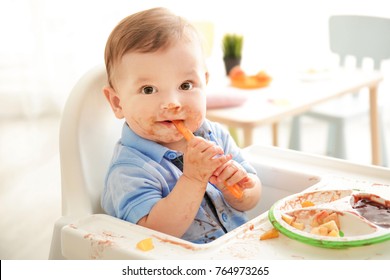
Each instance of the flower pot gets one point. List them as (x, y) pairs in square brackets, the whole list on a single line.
[(230, 62)]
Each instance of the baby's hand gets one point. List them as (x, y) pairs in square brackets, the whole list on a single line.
[(231, 173), (202, 158)]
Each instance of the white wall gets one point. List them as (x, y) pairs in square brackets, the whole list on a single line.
[(46, 45)]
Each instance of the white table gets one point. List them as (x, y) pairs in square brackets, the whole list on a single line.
[(286, 98)]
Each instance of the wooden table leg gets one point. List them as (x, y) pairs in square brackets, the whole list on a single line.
[(233, 132), (375, 139), (248, 136), (275, 134)]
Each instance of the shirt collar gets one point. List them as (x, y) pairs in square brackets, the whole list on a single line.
[(152, 149)]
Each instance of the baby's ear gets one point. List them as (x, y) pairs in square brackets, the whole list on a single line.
[(115, 102)]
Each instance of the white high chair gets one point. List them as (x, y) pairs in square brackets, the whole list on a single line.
[(88, 133)]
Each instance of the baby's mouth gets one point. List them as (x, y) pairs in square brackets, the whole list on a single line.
[(170, 121), (166, 122)]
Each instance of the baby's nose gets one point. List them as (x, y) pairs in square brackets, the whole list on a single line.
[(172, 107), (171, 103)]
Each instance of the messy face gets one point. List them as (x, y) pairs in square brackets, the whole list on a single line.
[(152, 89)]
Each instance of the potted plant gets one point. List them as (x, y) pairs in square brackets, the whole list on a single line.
[(232, 50)]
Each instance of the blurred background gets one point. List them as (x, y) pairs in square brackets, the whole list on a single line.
[(47, 45)]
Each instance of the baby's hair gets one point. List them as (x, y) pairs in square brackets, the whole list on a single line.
[(146, 31)]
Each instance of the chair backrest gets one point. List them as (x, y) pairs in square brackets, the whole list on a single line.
[(88, 133), (361, 37)]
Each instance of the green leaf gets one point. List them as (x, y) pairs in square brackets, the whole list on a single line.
[(232, 45)]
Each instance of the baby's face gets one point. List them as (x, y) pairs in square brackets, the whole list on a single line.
[(155, 88)]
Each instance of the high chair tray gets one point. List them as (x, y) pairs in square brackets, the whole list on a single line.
[(104, 237), (286, 175)]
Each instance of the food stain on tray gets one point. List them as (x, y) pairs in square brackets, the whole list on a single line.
[(178, 243)]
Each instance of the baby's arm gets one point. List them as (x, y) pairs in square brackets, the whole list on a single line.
[(233, 173), (175, 213)]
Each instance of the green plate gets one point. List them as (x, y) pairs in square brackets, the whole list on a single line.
[(355, 230)]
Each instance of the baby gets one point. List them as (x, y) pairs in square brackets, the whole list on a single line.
[(157, 73)]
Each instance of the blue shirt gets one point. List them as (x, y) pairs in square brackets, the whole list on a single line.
[(141, 173)]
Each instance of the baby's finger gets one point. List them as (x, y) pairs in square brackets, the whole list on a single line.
[(246, 182), (232, 174)]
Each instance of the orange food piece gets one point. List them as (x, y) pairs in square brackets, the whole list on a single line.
[(318, 219), (333, 217), (297, 225), (307, 203), (183, 129), (263, 76), (288, 219), (272, 233), (327, 229), (145, 244), (236, 73), (234, 189)]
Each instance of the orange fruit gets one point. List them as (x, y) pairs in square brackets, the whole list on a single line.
[(236, 73), (272, 233), (145, 244)]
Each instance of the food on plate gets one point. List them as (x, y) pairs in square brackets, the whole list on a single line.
[(323, 222), (291, 221), (272, 233), (326, 224), (298, 225), (327, 229), (318, 218), (287, 218), (335, 217), (373, 208), (324, 217), (145, 244), (307, 203)]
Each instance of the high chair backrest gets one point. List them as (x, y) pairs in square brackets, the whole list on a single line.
[(361, 37), (88, 133)]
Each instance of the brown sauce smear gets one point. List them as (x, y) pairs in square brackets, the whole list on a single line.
[(375, 212)]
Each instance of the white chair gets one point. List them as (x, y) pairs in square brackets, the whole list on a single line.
[(361, 37), (87, 126)]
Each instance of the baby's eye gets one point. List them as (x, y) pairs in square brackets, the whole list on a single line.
[(186, 86), (148, 90)]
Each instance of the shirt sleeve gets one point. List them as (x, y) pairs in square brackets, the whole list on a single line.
[(132, 190)]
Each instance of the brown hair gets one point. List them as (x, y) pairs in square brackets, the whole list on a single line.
[(145, 31)]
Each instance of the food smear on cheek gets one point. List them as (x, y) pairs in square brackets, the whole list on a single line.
[(194, 118)]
